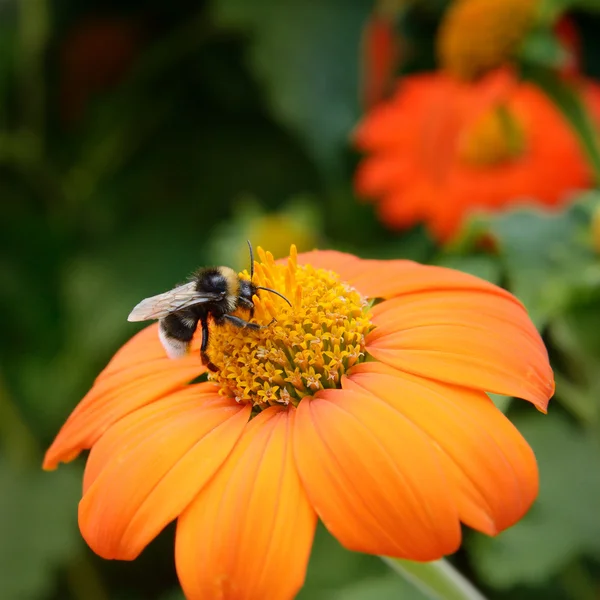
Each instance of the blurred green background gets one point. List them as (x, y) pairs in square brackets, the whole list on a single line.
[(140, 139)]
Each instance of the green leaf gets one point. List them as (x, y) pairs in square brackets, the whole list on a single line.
[(306, 55), (38, 521), (563, 524), (542, 48), (547, 257), (484, 266)]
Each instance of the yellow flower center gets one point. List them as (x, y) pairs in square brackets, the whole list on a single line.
[(478, 35), (495, 137), (303, 348)]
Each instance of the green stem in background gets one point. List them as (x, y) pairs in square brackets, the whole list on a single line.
[(576, 389), (567, 98), (23, 451), (34, 29), (438, 580), (579, 401)]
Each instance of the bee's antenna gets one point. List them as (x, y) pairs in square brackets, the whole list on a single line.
[(251, 261), (274, 292)]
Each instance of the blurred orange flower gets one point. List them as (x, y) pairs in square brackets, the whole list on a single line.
[(570, 42), (372, 417), (96, 54), (440, 149), (380, 53)]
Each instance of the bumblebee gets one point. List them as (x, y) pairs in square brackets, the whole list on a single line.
[(213, 292)]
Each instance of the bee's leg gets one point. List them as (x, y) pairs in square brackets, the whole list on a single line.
[(243, 324), (203, 355), (247, 304)]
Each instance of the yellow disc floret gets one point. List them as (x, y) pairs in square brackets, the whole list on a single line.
[(495, 137), (478, 35), (304, 348)]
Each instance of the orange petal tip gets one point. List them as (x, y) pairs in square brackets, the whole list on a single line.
[(53, 458)]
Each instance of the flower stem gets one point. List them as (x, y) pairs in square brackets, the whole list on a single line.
[(438, 580), (568, 100)]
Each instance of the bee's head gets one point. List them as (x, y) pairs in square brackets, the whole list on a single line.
[(247, 289)]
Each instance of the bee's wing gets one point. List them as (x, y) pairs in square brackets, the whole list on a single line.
[(160, 306)]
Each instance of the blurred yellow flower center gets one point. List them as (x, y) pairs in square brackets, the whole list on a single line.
[(478, 35), (306, 348), (494, 138), (278, 229)]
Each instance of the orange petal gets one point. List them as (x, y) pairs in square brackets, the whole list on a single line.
[(493, 470), (330, 260), (389, 278), (374, 478), (142, 348), (138, 374), (477, 339), (388, 125), (248, 534), (150, 465)]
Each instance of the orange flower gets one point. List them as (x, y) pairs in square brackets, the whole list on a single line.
[(96, 55), (441, 149), (380, 51), (370, 415)]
